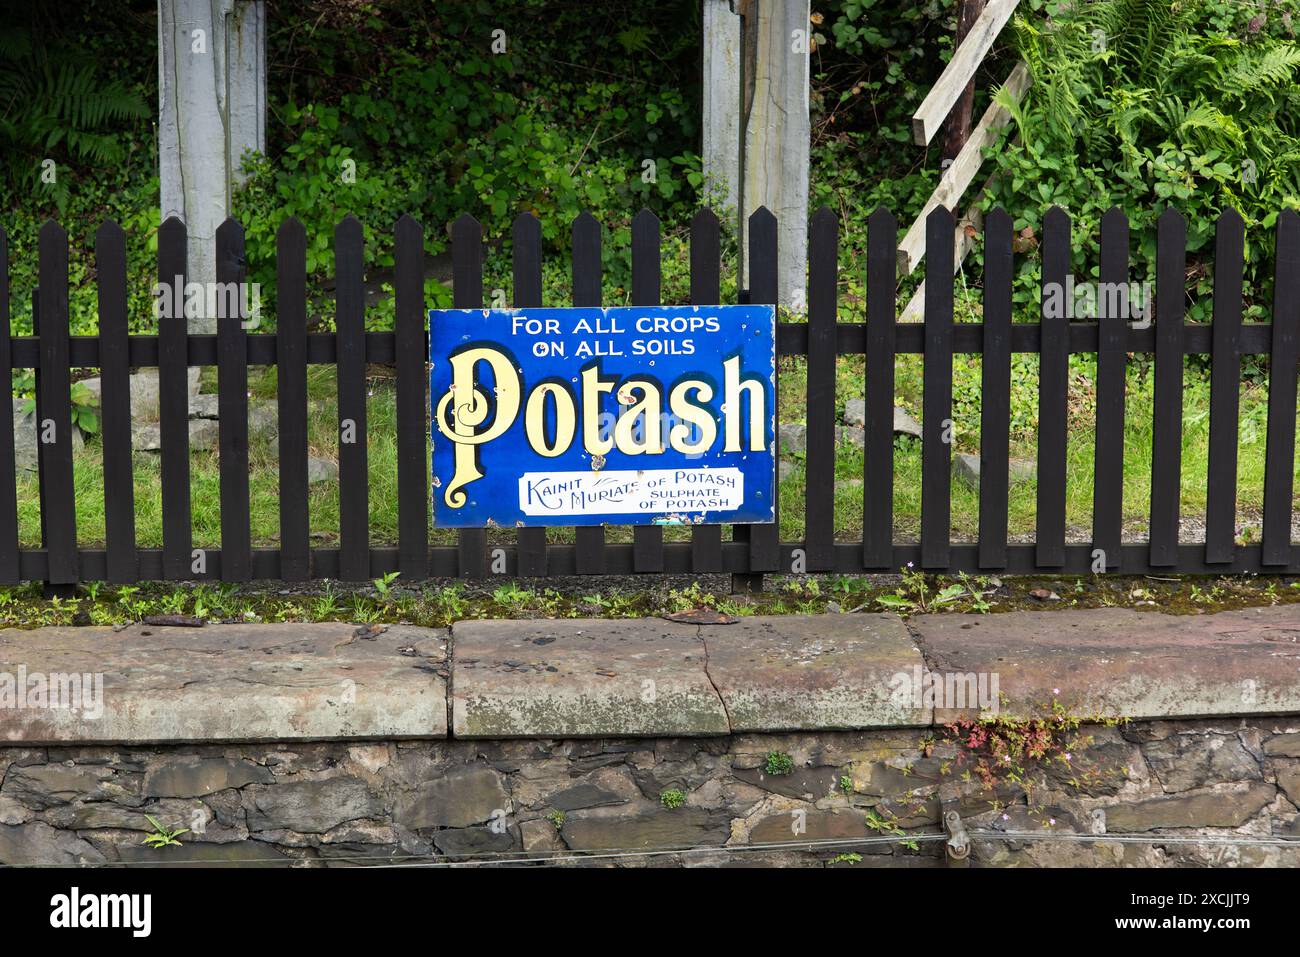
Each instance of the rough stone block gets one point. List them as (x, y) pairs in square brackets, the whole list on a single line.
[(564, 679), (459, 798), (311, 807), (818, 671), (1284, 745), (583, 796), (190, 777), (1288, 779), (24, 426), (1186, 761), (683, 827), (255, 682), (1223, 808), (809, 784), (1114, 662), (793, 827), (469, 841), (236, 854), (966, 469), (47, 785), (36, 843)]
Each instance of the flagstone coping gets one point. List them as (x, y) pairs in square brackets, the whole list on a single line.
[(639, 678)]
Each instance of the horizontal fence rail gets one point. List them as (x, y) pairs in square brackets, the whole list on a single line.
[(753, 550), (379, 348)]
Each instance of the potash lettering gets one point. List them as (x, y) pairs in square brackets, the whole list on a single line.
[(690, 415)]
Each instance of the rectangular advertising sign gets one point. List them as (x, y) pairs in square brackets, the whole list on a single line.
[(630, 415)]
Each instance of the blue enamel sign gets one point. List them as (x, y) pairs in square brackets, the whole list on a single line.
[(633, 415)]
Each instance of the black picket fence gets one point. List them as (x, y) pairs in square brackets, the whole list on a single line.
[(751, 550)]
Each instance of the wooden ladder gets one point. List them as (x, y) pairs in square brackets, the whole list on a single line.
[(957, 77)]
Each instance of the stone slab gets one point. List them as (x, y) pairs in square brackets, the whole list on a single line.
[(1220, 808), (1115, 662), (802, 825), (685, 827), (246, 682), (797, 673), (580, 679), (457, 798), (638, 678)]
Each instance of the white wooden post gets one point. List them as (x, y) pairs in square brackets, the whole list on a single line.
[(777, 131), (212, 108), (721, 140)]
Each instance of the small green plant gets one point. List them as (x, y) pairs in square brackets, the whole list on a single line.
[(174, 603), (1220, 591), (512, 596), (975, 587), (846, 783), (884, 825), (364, 612), (384, 585), (449, 602), (693, 596), (59, 611), (201, 607), (161, 836), (85, 408), (888, 825), (849, 858), (133, 607), (672, 798), (597, 601), (779, 763), (556, 818), (915, 595), (326, 606)]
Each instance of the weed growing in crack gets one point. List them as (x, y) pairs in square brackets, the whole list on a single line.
[(779, 764)]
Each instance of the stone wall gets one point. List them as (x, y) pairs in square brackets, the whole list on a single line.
[(604, 801), (635, 742)]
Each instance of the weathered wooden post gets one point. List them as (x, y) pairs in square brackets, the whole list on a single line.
[(776, 134), (212, 109), (770, 126), (722, 88), (957, 129)]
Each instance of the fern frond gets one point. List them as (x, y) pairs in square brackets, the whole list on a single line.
[(1209, 126), (15, 44), (1128, 113), (1256, 69), (59, 105)]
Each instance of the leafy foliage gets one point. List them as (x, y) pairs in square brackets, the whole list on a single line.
[(873, 63), (55, 105), (1144, 104), (380, 107), (434, 121)]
